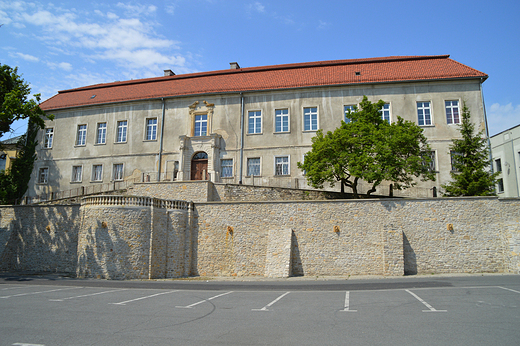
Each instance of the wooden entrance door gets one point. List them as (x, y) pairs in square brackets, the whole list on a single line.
[(199, 166)]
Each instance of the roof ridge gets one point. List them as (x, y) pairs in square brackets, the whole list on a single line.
[(259, 68)]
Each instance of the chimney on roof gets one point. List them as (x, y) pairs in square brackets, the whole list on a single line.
[(169, 73), (234, 65)]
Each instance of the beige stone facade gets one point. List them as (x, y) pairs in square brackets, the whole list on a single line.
[(246, 136)]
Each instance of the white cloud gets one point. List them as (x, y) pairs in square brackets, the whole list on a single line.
[(137, 10), (323, 25), (65, 66), (27, 57), (502, 117)]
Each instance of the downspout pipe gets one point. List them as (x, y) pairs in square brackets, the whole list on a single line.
[(487, 127), (241, 138), (161, 140)]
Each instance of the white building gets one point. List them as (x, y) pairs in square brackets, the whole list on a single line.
[(243, 125), (505, 149)]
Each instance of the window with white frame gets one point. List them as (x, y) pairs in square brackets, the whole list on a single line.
[(253, 166), (76, 174), (424, 113), (385, 112), (227, 168), (456, 158), (500, 185), (151, 129), (281, 120), (201, 125), (431, 164), (122, 128), (43, 175), (254, 122), (281, 165), (346, 111), (498, 164), (452, 112), (49, 136), (101, 137), (118, 171), (82, 135), (97, 173), (310, 119)]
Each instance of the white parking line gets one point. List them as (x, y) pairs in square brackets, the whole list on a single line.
[(133, 300), (202, 301), (271, 303), (425, 303), (347, 303), (21, 344), (30, 293), (85, 295), (508, 289)]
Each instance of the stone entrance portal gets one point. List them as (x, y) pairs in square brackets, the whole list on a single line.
[(199, 166)]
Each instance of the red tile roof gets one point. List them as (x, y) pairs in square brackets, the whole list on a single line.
[(275, 77)]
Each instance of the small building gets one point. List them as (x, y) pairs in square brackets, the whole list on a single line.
[(244, 125), (505, 149), (8, 150)]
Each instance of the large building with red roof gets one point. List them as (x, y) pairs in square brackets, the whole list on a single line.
[(243, 125)]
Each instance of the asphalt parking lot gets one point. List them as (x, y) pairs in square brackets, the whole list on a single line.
[(469, 310)]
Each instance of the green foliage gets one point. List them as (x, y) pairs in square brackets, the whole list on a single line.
[(14, 181), (15, 105), (471, 175), (368, 148)]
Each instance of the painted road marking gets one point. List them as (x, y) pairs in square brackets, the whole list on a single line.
[(133, 300), (508, 289), (21, 344), (85, 295), (12, 288), (347, 303), (431, 309), (203, 301), (271, 303), (26, 294)]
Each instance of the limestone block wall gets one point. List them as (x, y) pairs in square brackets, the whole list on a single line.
[(193, 191), (39, 239)]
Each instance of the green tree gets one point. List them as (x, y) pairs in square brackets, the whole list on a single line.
[(14, 181), (368, 148), (471, 175), (15, 104)]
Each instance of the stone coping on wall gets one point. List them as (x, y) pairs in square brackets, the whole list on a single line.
[(112, 200)]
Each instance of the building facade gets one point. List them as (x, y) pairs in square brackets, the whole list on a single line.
[(505, 149), (243, 125)]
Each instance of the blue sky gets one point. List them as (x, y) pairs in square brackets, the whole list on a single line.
[(67, 44)]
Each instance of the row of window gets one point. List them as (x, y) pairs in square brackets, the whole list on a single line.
[(310, 116), (281, 166), (101, 133), (77, 173)]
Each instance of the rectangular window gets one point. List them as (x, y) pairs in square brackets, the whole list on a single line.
[(254, 122), (77, 173), (122, 127), (82, 135), (498, 164), (49, 135), (346, 111), (118, 171), (455, 158), (227, 168), (431, 155), (452, 112), (424, 113), (201, 125), (97, 173), (253, 166), (281, 165), (385, 112), (43, 175), (310, 119), (281, 120), (101, 133), (500, 183), (151, 129)]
